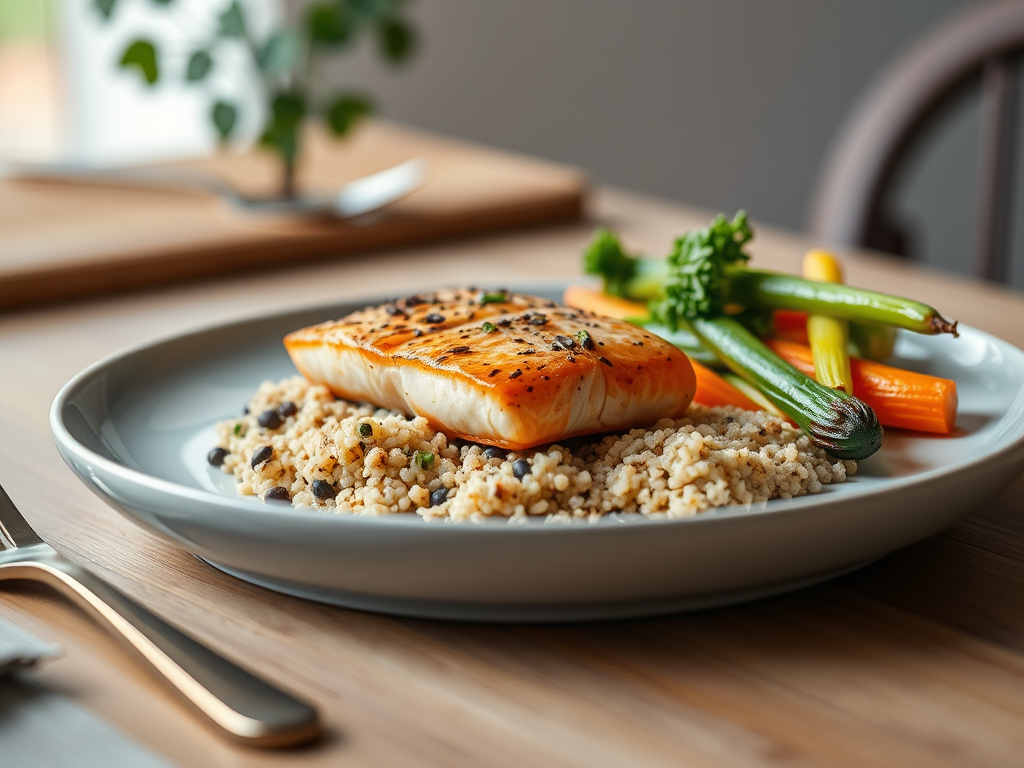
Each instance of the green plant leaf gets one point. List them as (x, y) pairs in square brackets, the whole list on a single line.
[(281, 134), (328, 24), (231, 23), (224, 117), (288, 109), (397, 40), (280, 53), (105, 7), (373, 10), (142, 54), (344, 111), (199, 65)]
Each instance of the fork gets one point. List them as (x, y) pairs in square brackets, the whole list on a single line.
[(247, 708), (354, 198)]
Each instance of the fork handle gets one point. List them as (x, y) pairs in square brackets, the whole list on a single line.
[(247, 708)]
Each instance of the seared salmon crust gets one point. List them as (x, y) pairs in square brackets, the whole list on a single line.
[(498, 368)]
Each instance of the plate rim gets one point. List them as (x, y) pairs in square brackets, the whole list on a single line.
[(716, 516)]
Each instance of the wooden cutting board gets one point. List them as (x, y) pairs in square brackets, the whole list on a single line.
[(64, 240)]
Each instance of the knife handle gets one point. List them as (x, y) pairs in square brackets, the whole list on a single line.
[(247, 708)]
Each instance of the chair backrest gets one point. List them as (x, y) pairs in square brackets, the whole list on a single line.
[(848, 207)]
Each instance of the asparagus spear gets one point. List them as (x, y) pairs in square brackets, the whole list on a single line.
[(713, 275)]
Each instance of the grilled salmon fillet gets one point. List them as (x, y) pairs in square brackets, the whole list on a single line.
[(498, 368)]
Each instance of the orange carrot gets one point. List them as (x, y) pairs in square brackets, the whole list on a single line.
[(713, 390), (899, 398), (601, 303)]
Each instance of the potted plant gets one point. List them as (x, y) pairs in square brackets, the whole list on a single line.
[(287, 63)]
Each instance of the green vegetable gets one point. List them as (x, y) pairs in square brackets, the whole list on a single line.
[(365, 429), (632, 278), (771, 290), (872, 342), (840, 423), (488, 327), (708, 273), (238, 428), (492, 298), (696, 297), (423, 459)]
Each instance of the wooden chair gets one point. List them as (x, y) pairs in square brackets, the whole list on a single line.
[(982, 45)]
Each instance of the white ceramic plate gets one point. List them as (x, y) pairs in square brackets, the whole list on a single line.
[(136, 428)]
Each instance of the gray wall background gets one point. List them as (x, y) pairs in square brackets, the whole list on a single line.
[(720, 104)]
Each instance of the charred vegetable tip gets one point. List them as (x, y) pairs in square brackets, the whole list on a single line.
[(840, 423)]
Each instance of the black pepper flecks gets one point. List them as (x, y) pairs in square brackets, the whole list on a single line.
[(515, 374), (417, 333), (494, 373), (438, 497), (494, 452), (261, 455), (433, 319), (605, 361), (563, 342)]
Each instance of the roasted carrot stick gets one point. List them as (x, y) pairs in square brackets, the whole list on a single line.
[(601, 303), (713, 390), (899, 398)]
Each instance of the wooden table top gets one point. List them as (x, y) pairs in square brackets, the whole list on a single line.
[(915, 660)]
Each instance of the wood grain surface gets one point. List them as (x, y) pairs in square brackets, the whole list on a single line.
[(61, 239), (915, 660)]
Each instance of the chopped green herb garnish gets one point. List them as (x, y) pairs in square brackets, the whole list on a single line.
[(238, 428), (584, 340), (493, 298), (423, 459), (489, 327), (365, 430)]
